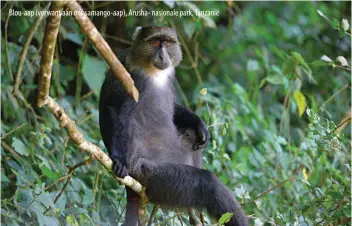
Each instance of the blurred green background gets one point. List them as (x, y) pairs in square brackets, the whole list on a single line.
[(272, 81)]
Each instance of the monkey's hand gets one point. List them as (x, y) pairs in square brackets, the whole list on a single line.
[(120, 169), (202, 136)]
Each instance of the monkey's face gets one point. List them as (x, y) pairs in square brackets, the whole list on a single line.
[(157, 47)]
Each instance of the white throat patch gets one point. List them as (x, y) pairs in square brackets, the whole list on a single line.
[(160, 77)]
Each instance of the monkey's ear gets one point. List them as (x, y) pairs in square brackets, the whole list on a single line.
[(136, 33)]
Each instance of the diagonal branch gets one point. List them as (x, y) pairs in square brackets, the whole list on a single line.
[(85, 145), (104, 49), (51, 32)]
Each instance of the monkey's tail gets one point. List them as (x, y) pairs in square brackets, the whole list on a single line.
[(187, 186)]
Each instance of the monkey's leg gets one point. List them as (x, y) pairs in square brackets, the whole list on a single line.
[(185, 186), (132, 206)]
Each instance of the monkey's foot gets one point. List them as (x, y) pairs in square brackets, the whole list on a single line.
[(119, 169)]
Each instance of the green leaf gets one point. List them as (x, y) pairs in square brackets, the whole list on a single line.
[(19, 147), (73, 211), (301, 60), (300, 101), (4, 178), (25, 198), (51, 221), (189, 28), (48, 172), (46, 200), (94, 70), (289, 65), (225, 218), (335, 23), (275, 79), (88, 197), (319, 63), (44, 161)]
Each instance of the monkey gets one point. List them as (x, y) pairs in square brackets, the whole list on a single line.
[(155, 140)]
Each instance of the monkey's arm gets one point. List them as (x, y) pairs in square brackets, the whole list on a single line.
[(185, 118), (113, 114)]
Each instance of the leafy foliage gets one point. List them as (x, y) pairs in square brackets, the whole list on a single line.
[(261, 75)]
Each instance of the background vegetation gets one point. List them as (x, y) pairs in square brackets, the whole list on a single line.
[(272, 80)]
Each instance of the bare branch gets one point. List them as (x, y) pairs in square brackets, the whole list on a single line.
[(87, 146), (6, 43), (95, 37), (49, 42)]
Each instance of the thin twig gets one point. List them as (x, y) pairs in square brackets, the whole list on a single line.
[(278, 185), (24, 51), (189, 55), (6, 43), (56, 181), (69, 174), (184, 98), (78, 75), (283, 110), (333, 96), (124, 41), (9, 149), (341, 124), (180, 219), (152, 214), (17, 128)]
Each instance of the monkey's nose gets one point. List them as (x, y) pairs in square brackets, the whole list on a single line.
[(161, 59)]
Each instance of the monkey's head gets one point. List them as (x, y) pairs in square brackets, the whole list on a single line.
[(156, 47)]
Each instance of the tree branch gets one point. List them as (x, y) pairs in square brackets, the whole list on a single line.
[(49, 42), (51, 32), (104, 49), (87, 146)]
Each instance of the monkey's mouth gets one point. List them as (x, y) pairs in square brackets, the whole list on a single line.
[(161, 64)]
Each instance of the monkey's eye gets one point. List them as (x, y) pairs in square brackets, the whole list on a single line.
[(156, 43)]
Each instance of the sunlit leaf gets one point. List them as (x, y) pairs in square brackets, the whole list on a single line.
[(225, 218), (203, 91), (304, 173), (300, 101)]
